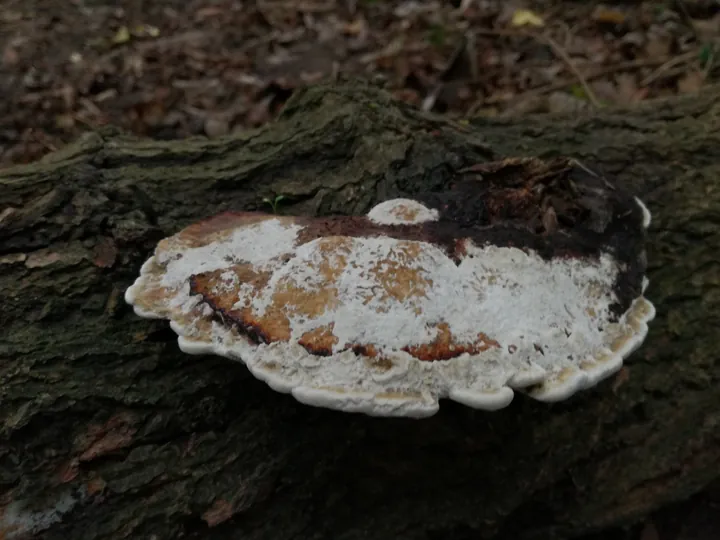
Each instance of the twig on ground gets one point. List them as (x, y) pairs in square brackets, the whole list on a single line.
[(666, 66), (685, 15), (460, 52), (559, 52), (591, 75), (40, 137), (563, 55)]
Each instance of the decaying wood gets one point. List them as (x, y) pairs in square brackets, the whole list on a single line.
[(109, 432)]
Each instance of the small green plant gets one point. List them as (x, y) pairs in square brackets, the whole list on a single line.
[(437, 35), (707, 55), (274, 202)]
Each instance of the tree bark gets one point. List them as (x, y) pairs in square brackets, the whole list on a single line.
[(109, 432)]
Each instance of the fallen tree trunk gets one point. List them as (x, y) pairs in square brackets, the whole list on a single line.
[(109, 432)]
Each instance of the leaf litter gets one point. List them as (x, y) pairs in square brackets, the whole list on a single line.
[(172, 69)]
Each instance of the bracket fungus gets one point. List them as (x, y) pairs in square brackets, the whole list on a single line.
[(526, 275)]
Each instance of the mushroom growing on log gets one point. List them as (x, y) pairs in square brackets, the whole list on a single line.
[(108, 431), (467, 298)]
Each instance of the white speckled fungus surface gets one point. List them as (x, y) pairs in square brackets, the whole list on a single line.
[(388, 325)]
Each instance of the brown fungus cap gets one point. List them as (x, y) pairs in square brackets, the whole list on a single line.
[(528, 275)]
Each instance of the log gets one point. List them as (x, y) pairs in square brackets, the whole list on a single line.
[(110, 432)]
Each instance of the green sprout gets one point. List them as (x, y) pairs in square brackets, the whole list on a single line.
[(274, 202), (707, 53), (437, 36)]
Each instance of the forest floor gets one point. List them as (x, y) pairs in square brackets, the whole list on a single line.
[(174, 68)]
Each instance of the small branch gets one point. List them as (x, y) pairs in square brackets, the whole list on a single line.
[(557, 49), (666, 66), (560, 52), (685, 15)]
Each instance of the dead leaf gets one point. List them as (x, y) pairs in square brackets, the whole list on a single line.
[(601, 14), (524, 105), (146, 30), (208, 12), (412, 8), (355, 28), (626, 89), (605, 91), (525, 17), (634, 39), (216, 127), (408, 95), (707, 29), (260, 112), (560, 102), (658, 45), (65, 122), (8, 16), (691, 82), (121, 36)]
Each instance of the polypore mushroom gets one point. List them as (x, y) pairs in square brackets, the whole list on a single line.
[(528, 275)]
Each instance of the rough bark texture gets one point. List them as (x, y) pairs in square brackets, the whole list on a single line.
[(109, 432)]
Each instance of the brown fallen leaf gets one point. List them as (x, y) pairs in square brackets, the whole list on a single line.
[(627, 90), (707, 29), (691, 82), (560, 102), (260, 112), (602, 14), (216, 126), (525, 17), (658, 45)]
